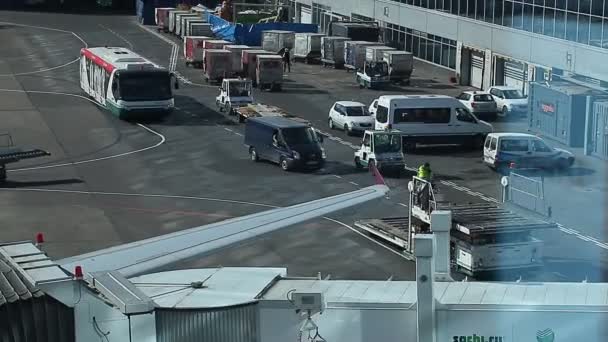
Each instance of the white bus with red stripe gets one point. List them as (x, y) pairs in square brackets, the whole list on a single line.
[(127, 84)]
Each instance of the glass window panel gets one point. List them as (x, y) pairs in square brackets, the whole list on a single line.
[(429, 50), (539, 2), (518, 10), (416, 46), (481, 10), (597, 7), (401, 45), (471, 8), (584, 6), (573, 5), (571, 22), (528, 15), (538, 19), (605, 9), (454, 7), (560, 4), (498, 7), (462, 8), (408, 42), (583, 28), (447, 5), (445, 55), (550, 3), (437, 53), (507, 19), (596, 31), (424, 3), (452, 59), (410, 2), (416, 3), (549, 22), (560, 24), (605, 34)]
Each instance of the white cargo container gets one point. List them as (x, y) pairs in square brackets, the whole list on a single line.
[(193, 49), (236, 57), (215, 44), (276, 40), (269, 73), (217, 64), (354, 53), (376, 53), (332, 51), (173, 18), (180, 28), (400, 65), (307, 46), (189, 23), (249, 62), (200, 29)]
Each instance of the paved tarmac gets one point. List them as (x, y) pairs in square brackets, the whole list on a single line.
[(199, 152)]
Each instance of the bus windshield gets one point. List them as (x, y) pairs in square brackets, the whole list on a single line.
[(299, 136), (145, 87), (387, 143)]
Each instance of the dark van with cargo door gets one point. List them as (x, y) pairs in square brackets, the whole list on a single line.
[(289, 143)]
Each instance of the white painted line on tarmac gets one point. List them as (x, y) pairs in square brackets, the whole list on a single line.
[(337, 176), (48, 29), (403, 205), (239, 134), (353, 183), (162, 137), (228, 129), (119, 36)]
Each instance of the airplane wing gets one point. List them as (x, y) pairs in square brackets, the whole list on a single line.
[(148, 255)]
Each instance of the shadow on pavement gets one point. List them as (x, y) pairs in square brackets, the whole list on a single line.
[(15, 184), (192, 113)]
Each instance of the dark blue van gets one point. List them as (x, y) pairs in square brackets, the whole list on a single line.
[(289, 143)]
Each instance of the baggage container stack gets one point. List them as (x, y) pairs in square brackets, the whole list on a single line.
[(332, 51), (161, 16), (249, 62), (236, 55), (400, 66), (216, 64), (376, 53), (354, 53), (193, 50), (200, 29), (173, 19), (307, 47), (275, 40), (189, 23), (215, 44), (181, 24)]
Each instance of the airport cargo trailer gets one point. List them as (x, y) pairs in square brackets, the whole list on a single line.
[(332, 51), (9, 153), (400, 66), (185, 22), (193, 50), (263, 110), (354, 53), (276, 40), (483, 238), (269, 72), (250, 64), (215, 44), (216, 65), (191, 21), (180, 21), (200, 29), (236, 56), (161, 15), (376, 53), (173, 19), (308, 47)]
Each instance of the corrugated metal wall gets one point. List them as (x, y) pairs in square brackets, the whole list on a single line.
[(40, 319), (230, 324)]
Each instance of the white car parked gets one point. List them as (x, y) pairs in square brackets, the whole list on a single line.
[(479, 103), (350, 116), (509, 100)]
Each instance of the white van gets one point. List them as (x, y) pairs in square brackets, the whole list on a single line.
[(523, 150), (430, 119)]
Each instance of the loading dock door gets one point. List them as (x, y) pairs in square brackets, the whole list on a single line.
[(599, 133), (477, 62), (516, 74), (306, 15)]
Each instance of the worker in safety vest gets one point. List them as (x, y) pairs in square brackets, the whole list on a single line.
[(424, 172)]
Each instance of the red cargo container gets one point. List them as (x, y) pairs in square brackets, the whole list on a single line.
[(193, 50), (161, 16), (215, 44)]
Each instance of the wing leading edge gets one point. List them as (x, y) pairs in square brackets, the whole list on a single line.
[(148, 255)]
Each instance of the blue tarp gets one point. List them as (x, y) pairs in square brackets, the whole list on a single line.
[(251, 34)]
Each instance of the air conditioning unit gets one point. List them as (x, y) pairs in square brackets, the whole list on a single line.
[(308, 301)]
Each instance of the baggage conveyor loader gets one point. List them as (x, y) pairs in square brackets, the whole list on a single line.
[(483, 238), (11, 154)]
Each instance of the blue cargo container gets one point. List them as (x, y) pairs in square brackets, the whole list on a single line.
[(559, 110)]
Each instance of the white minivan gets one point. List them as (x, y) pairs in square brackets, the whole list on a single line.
[(520, 150), (430, 119)]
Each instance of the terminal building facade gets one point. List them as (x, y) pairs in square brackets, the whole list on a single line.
[(487, 42)]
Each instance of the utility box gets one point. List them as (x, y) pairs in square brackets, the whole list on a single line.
[(558, 111)]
